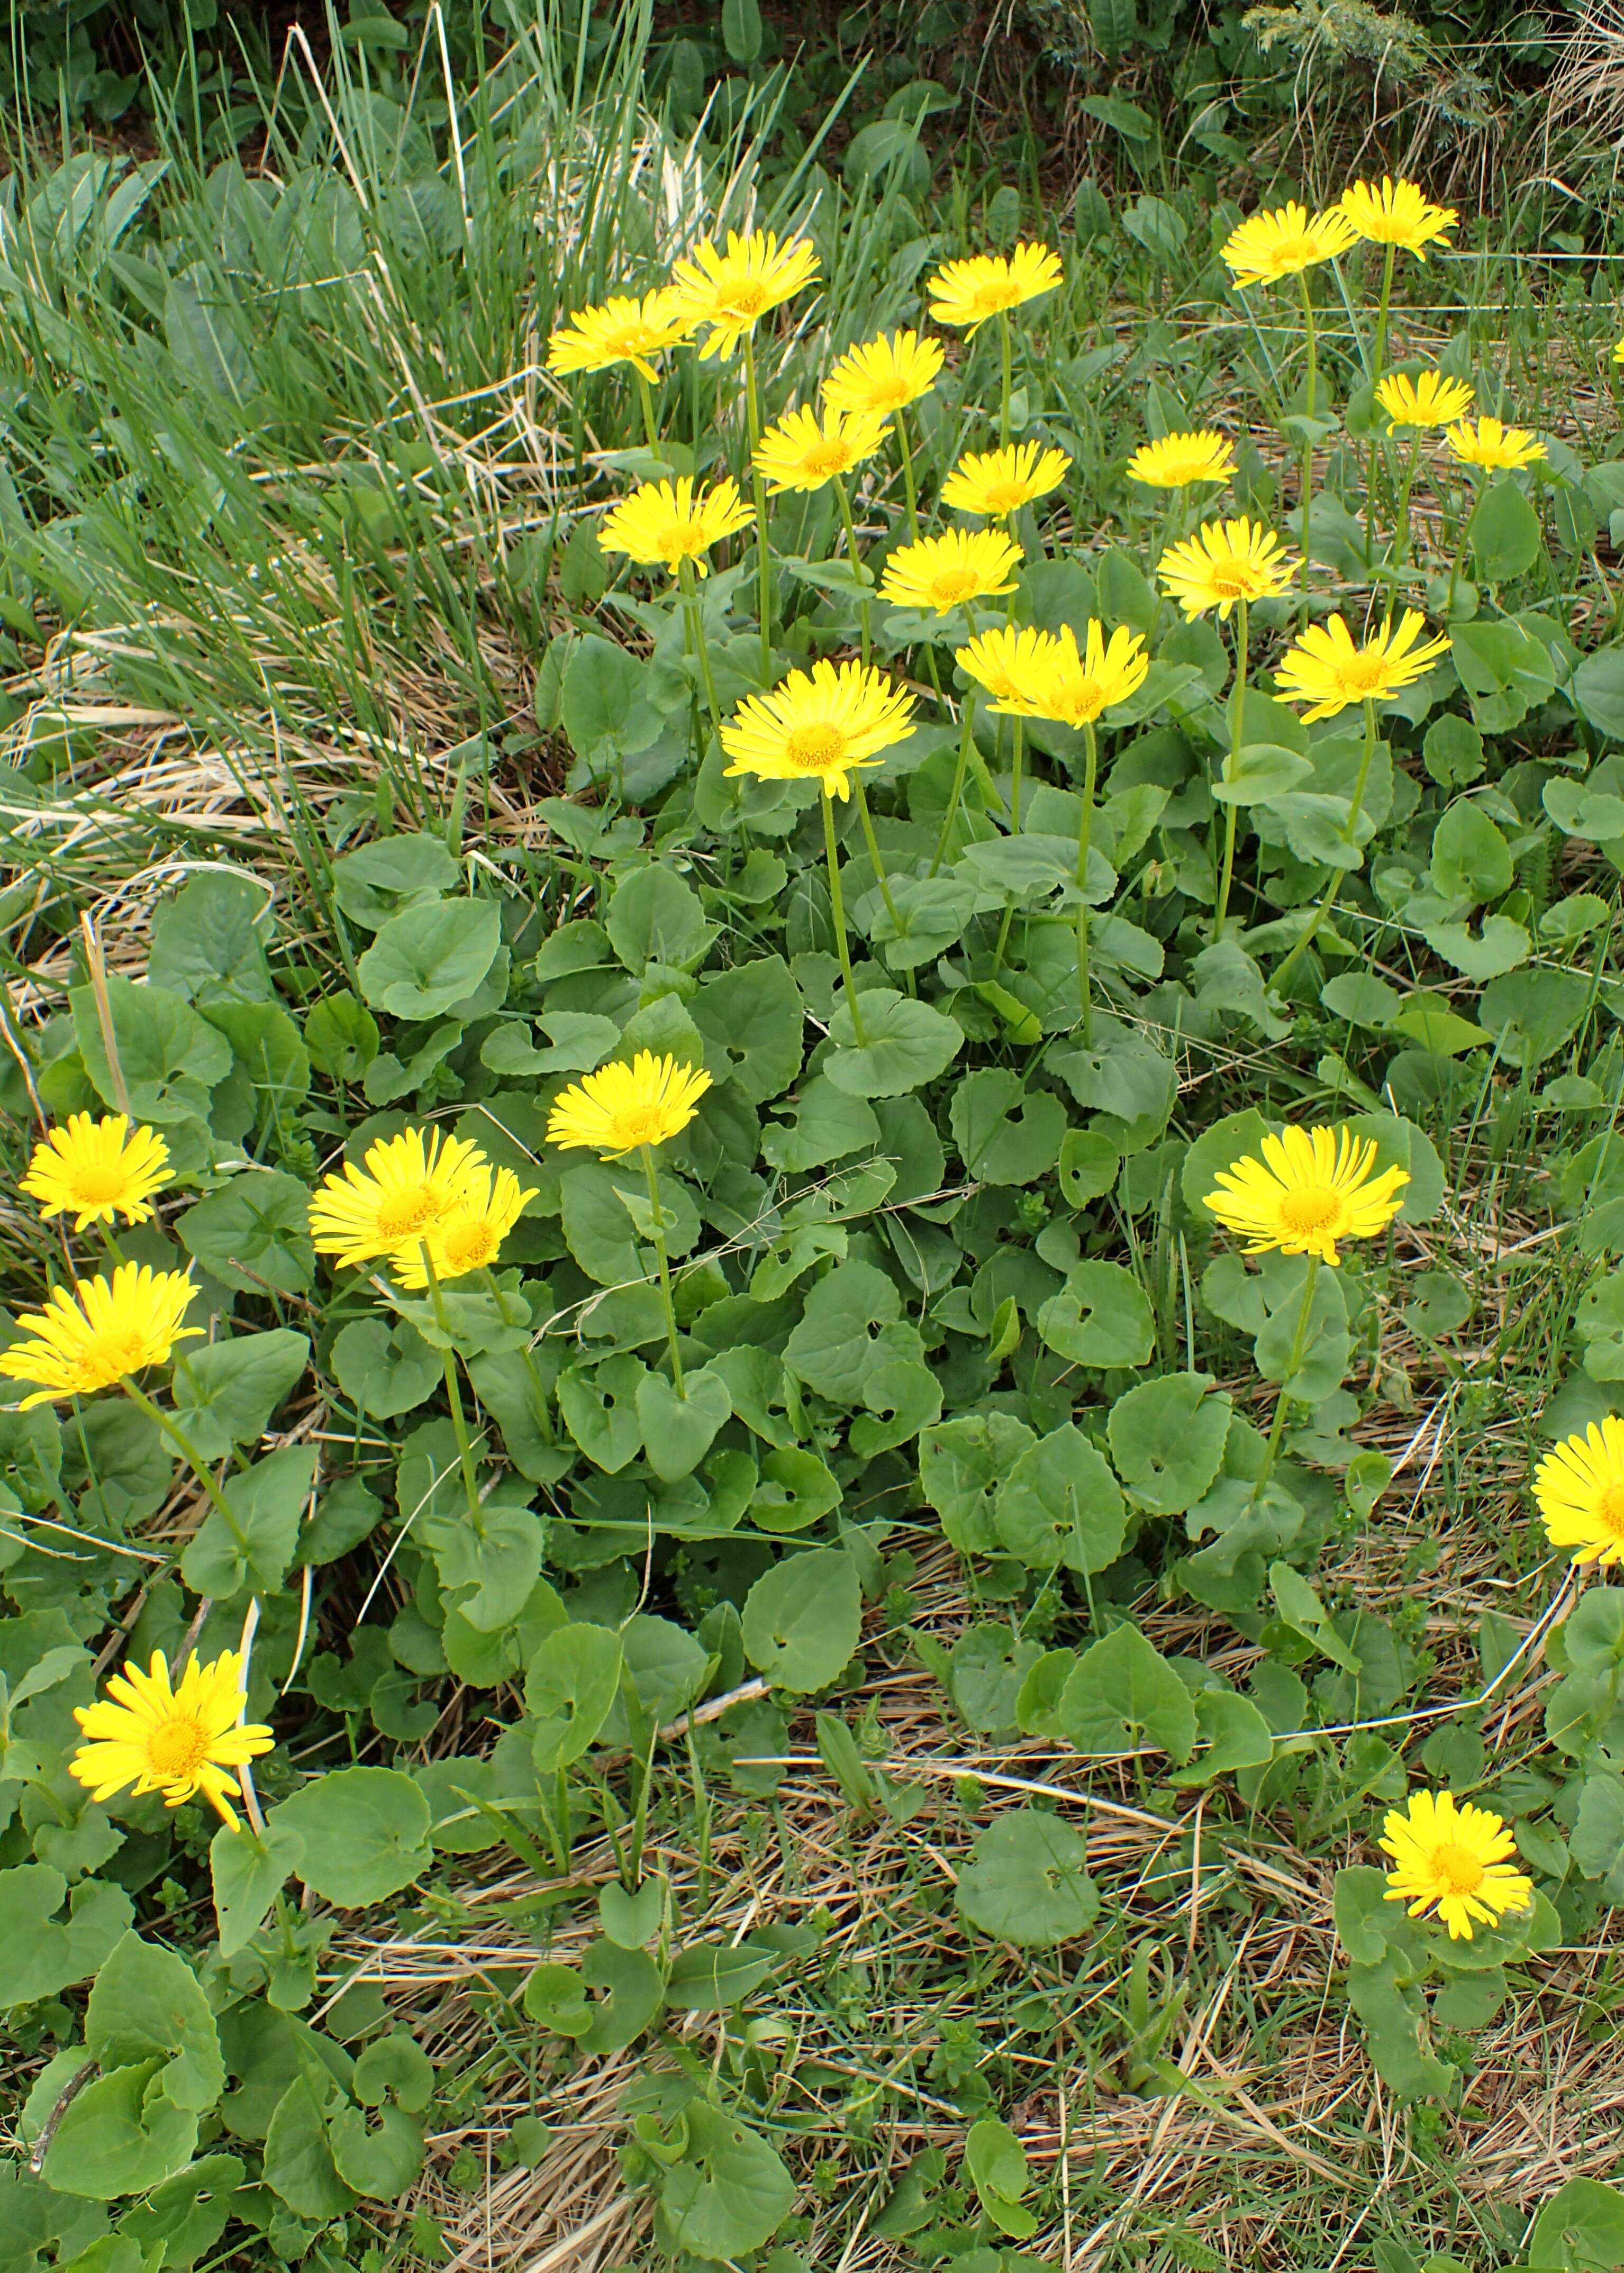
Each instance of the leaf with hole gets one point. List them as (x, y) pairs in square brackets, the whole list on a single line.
[(1060, 1505), (1026, 1881)]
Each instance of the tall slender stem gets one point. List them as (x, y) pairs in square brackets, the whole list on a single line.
[(752, 403), (1085, 829), (189, 1454), (1020, 738), (1401, 519), (1381, 312), (1003, 399), (910, 492), (651, 1178), (1271, 1450), (1480, 490), (968, 729), (838, 906), (454, 1396), (1350, 827), (645, 396), (863, 609), (872, 841), (1311, 402), (696, 627), (1237, 727)]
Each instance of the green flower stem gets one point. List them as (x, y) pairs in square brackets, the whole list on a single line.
[(963, 767), (872, 841), (1381, 311), (1312, 402), (542, 1417), (1238, 724), (851, 554), (1480, 491), (189, 1453), (837, 907), (652, 1177), (1020, 742), (1085, 829), (1401, 519), (764, 555), (454, 1397), (646, 397), (904, 448), (1355, 808), (1003, 399), (1271, 1450), (695, 618)]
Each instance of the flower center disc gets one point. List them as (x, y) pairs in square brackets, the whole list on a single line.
[(1232, 583), (641, 1124), (990, 298), (1459, 1869), (747, 299), (827, 458), (175, 1748), (1365, 674), (470, 1247), (94, 1186), (407, 1211), (813, 749), (676, 540), (1005, 497), (1313, 1209), (1610, 1510), (952, 586)]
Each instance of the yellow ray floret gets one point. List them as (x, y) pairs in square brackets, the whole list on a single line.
[(468, 1236), (668, 521), (1489, 444), (91, 1337), (1224, 562), (732, 291), (940, 572), (624, 330), (798, 452), (1579, 1491), (1177, 460), (1312, 1187), (1452, 1858), (407, 1184), (965, 293), (97, 1171), (999, 481), (179, 1741), (1427, 400), (621, 1108), (1073, 688), (886, 374), (1618, 352), (1270, 246), (1326, 669), (1013, 662), (818, 725), (1397, 213)]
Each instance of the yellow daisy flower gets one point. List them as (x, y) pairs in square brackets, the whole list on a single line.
[(408, 1183), (1269, 246), (818, 725), (665, 521), (797, 453), (1324, 668), (1397, 213), (1074, 688), (1451, 1857), (1579, 1491), (733, 290), (1488, 443), (1312, 1187), (179, 1741), (1618, 352), (1428, 400), (624, 330), (1224, 562), (468, 1236), (1012, 661), (621, 1108), (965, 293), (886, 374), (999, 481), (98, 1170), (91, 1339), (1177, 460), (940, 572)]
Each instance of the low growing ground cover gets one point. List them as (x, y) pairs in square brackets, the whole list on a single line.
[(813, 1214)]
